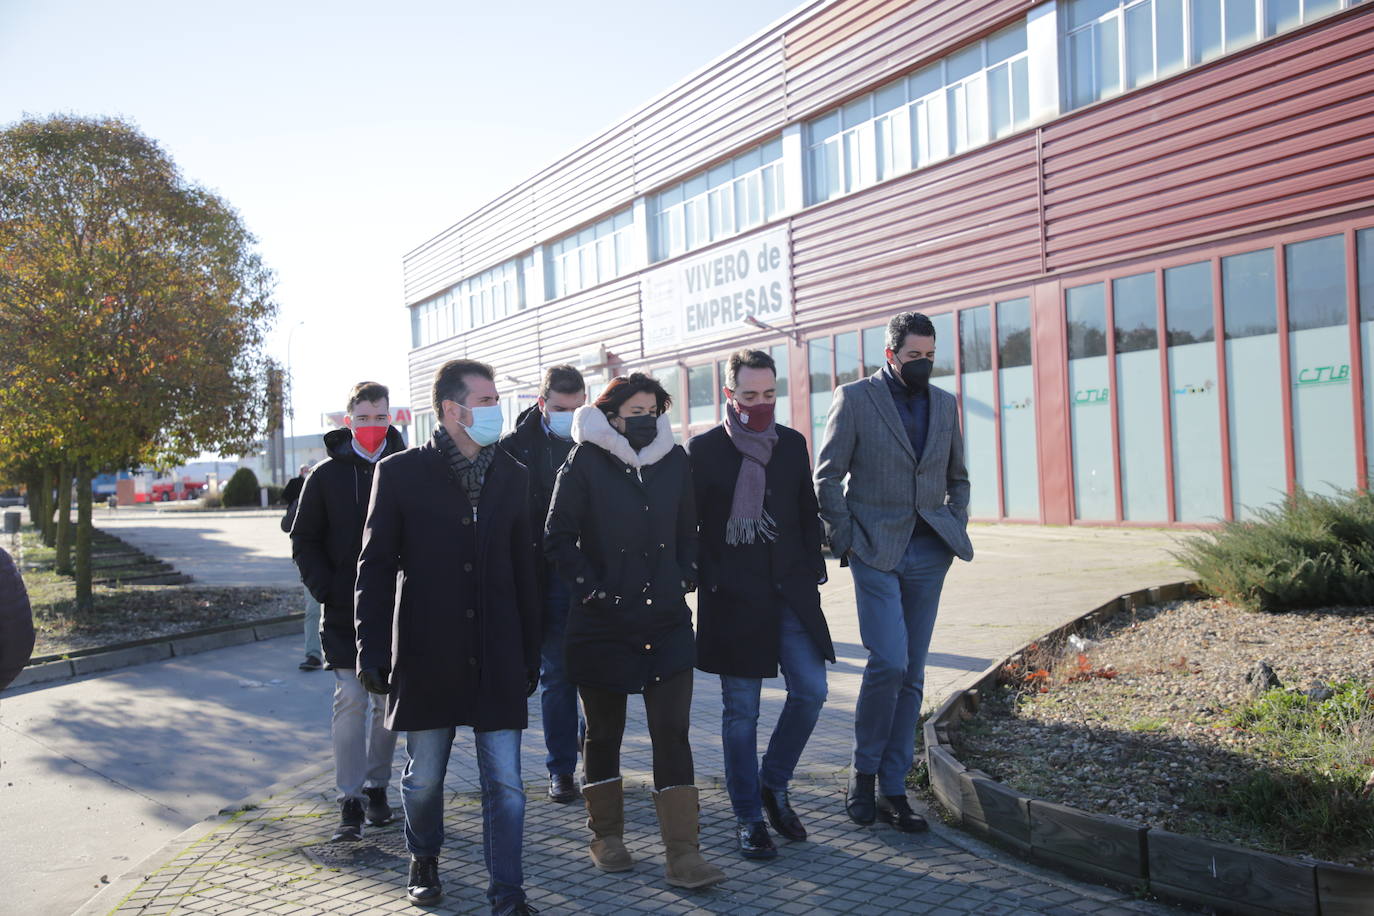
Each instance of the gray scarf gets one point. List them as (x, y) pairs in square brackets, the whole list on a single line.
[(749, 521), (471, 474)]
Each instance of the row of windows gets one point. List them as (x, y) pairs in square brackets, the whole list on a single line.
[(1116, 45), (971, 97), (730, 198)]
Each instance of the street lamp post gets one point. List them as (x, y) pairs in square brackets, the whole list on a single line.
[(291, 403)]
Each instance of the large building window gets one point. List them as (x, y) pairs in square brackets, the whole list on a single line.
[(1112, 46), (730, 198), (964, 100), (491, 295), (1090, 419), (598, 253), (1253, 386)]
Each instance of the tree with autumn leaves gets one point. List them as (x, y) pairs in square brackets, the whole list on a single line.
[(133, 313)]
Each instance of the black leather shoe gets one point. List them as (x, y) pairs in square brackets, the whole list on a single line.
[(423, 885), (378, 809), (350, 822), (754, 841), (563, 788), (781, 815), (858, 802), (896, 810), (311, 663)]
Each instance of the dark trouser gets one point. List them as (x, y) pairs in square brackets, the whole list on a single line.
[(668, 708), (558, 700)]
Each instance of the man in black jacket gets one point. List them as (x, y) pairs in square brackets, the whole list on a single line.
[(449, 529), (291, 498), (541, 442), (16, 621), (759, 606), (326, 536)]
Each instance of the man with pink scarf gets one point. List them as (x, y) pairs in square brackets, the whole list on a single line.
[(758, 605)]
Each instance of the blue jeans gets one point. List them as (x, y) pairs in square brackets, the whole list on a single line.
[(896, 617), (803, 671), (558, 700), (312, 625), (503, 804)]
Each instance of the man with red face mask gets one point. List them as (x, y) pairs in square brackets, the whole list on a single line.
[(758, 604), (326, 538)]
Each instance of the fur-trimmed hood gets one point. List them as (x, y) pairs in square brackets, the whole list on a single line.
[(591, 426)]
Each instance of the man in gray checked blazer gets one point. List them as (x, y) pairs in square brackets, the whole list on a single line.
[(894, 495)]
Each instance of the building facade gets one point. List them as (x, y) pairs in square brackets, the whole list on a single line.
[(1144, 230)]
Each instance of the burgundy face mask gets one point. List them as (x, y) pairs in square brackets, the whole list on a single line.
[(757, 417)]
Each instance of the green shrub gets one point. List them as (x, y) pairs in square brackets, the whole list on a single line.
[(242, 489), (1311, 551)]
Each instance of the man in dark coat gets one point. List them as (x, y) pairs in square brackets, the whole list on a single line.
[(449, 529), (759, 606), (16, 621), (894, 493), (541, 442), (326, 536), (291, 498)]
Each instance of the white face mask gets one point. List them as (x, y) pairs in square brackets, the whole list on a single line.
[(486, 424)]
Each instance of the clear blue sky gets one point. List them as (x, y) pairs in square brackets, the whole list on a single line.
[(347, 136)]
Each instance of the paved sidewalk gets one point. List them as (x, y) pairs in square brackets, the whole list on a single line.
[(273, 857)]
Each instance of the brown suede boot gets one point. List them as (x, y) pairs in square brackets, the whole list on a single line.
[(606, 819), (677, 821)]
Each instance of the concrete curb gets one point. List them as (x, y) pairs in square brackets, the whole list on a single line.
[(1102, 848), (108, 899), (50, 669)]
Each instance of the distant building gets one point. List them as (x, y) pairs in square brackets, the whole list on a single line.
[(1144, 230)]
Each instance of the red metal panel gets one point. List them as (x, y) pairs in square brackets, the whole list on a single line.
[(1223, 389), (1286, 367), (1358, 369), (849, 48), (607, 314), (1051, 361), (1166, 402), (1280, 132), (1113, 394), (969, 223)]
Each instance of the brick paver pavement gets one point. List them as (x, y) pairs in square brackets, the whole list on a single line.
[(273, 857)]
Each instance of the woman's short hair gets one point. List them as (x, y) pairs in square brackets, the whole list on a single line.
[(624, 387)]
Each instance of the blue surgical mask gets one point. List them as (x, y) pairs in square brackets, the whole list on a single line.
[(560, 422), (486, 424)]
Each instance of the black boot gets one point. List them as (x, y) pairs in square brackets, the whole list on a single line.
[(350, 822), (423, 885), (562, 788), (378, 809), (896, 810), (754, 841), (781, 815), (859, 802)]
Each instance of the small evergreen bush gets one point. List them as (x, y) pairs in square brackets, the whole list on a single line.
[(1310, 551), (242, 489)]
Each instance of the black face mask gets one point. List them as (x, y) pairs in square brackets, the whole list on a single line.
[(915, 374), (640, 430)]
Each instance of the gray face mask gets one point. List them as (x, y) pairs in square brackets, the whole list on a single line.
[(640, 430)]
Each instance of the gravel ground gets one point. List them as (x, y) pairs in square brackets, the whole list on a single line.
[(1144, 730)]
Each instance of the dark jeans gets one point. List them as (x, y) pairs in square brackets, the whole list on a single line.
[(668, 708), (896, 617), (558, 700), (503, 804), (803, 671)]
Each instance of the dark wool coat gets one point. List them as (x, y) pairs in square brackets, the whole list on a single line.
[(448, 606), (16, 621), (327, 534), (624, 538), (532, 446), (744, 586)]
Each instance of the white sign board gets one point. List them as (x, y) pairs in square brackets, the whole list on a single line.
[(707, 295)]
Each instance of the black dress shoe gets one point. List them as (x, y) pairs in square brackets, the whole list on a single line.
[(423, 885), (350, 826), (378, 808), (896, 810), (754, 841), (858, 802), (311, 663), (781, 815), (563, 788)]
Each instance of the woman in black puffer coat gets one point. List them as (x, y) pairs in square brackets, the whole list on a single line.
[(622, 532)]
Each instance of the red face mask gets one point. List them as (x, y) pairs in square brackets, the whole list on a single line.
[(757, 417), (370, 437)]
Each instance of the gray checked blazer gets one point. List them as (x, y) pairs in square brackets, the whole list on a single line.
[(871, 484)]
